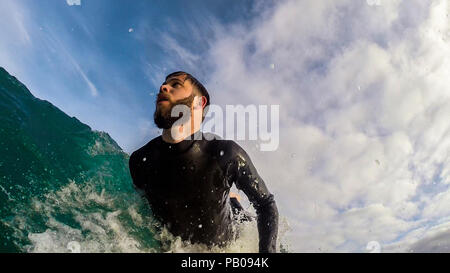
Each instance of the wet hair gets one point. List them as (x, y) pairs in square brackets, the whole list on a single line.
[(198, 85)]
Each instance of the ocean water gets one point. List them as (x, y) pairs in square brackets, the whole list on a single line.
[(67, 188)]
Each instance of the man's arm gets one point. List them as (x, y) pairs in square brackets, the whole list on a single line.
[(133, 165), (248, 180)]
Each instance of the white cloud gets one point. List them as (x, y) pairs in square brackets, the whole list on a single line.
[(92, 88), (73, 2), (173, 46), (13, 21), (61, 47), (365, 138)]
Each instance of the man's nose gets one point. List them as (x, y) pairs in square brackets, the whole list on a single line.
[(164, 88)]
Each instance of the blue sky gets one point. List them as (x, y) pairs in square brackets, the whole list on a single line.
[(102, 61), (362, 87)]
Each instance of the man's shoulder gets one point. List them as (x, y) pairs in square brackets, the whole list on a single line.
[(146, 149), (214, 141), (225, 148)]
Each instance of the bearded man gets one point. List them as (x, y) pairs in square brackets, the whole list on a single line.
[(186, 175)]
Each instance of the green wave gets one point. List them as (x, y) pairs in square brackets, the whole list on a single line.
[(61, 182)]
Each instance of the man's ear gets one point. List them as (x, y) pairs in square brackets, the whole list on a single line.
[(201, 102), (204, 100)]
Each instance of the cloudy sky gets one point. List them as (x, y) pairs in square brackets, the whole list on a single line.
[(363, 160)]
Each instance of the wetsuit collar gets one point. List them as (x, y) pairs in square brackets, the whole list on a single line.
[(182, 145)]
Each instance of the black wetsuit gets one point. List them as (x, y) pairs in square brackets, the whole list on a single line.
[(187, 185)]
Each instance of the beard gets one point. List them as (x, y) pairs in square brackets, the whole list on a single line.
[(162, 116)]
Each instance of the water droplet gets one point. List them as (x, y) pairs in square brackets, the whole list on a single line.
[(200, 226), (74, 247), (221, 153), (144, 159)]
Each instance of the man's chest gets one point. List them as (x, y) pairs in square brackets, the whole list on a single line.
[(184, 178)]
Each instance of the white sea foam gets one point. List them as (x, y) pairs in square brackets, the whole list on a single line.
[(100, 222)]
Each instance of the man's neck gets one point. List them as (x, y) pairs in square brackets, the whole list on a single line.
[(180, 132), (177, 133)]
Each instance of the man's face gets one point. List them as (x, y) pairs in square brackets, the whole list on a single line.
[(176, 90)]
